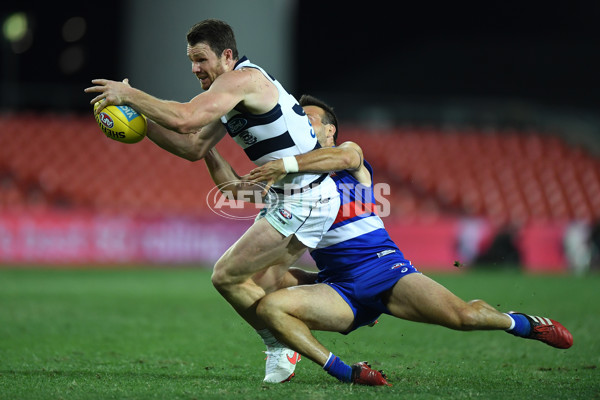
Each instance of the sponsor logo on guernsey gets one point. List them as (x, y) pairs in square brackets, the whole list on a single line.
[(248, 138), (285, 213), (128, 112), (236, 125), (106, 120)]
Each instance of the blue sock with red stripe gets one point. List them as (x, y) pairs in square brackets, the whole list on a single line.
[(336, 367), (521, 326)]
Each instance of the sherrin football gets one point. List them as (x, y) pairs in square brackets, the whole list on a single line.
[(121, 123)]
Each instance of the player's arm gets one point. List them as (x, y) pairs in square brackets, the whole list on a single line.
[(228, 90), (192, 147), (220, 170), (228, 181), (347, 156), (224, 94)]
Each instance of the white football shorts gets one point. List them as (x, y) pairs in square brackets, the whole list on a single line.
[(308, 215)]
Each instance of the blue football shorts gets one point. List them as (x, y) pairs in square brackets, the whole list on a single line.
[(363, 293)]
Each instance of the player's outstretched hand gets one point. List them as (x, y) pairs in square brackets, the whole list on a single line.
[(111, 93)]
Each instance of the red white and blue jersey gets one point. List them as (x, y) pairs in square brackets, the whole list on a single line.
[(357, 236)]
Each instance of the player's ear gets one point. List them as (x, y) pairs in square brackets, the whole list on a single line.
[(332, 129), (227, 54)]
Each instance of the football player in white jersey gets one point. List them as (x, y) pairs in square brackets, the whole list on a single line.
[(242, 100), (352, 294)]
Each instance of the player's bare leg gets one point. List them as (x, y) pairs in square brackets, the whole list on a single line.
[(255, 265), (281, 361), (418, 298), (260, 248), (282, 276), (292, 313)]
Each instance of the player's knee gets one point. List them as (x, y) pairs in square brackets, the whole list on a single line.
[(262, 309), (221, 279), (216, 279)]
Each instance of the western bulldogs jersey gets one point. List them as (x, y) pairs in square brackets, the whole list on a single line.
[(283, 131), (357, 236)]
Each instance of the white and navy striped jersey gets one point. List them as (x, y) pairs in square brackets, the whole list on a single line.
[(357, 236), (283, 131)]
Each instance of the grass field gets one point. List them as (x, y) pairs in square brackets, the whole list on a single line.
[(166, 334)]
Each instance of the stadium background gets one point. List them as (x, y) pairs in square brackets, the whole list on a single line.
[(482, 119)]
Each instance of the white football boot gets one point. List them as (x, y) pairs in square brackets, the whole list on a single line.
[(281, 363)]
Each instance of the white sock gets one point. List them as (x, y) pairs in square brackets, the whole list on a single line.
[(512, 322)]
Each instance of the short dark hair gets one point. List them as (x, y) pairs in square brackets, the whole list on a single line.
[(329, 118), (217, 34)]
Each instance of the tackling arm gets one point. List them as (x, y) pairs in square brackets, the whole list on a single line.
[(347, 156)]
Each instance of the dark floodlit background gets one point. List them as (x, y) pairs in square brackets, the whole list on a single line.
[(482, 119)]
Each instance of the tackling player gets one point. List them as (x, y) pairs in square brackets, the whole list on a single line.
[(363, 274)]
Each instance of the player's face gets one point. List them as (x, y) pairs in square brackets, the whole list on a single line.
[(206, 65), (323, 131)]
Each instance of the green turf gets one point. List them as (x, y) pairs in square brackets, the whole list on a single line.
[(166, 334)]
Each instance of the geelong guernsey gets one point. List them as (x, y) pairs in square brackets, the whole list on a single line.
[(283, 131), (357, 236)]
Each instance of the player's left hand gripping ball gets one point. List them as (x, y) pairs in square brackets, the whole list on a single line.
[(122, 123)]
